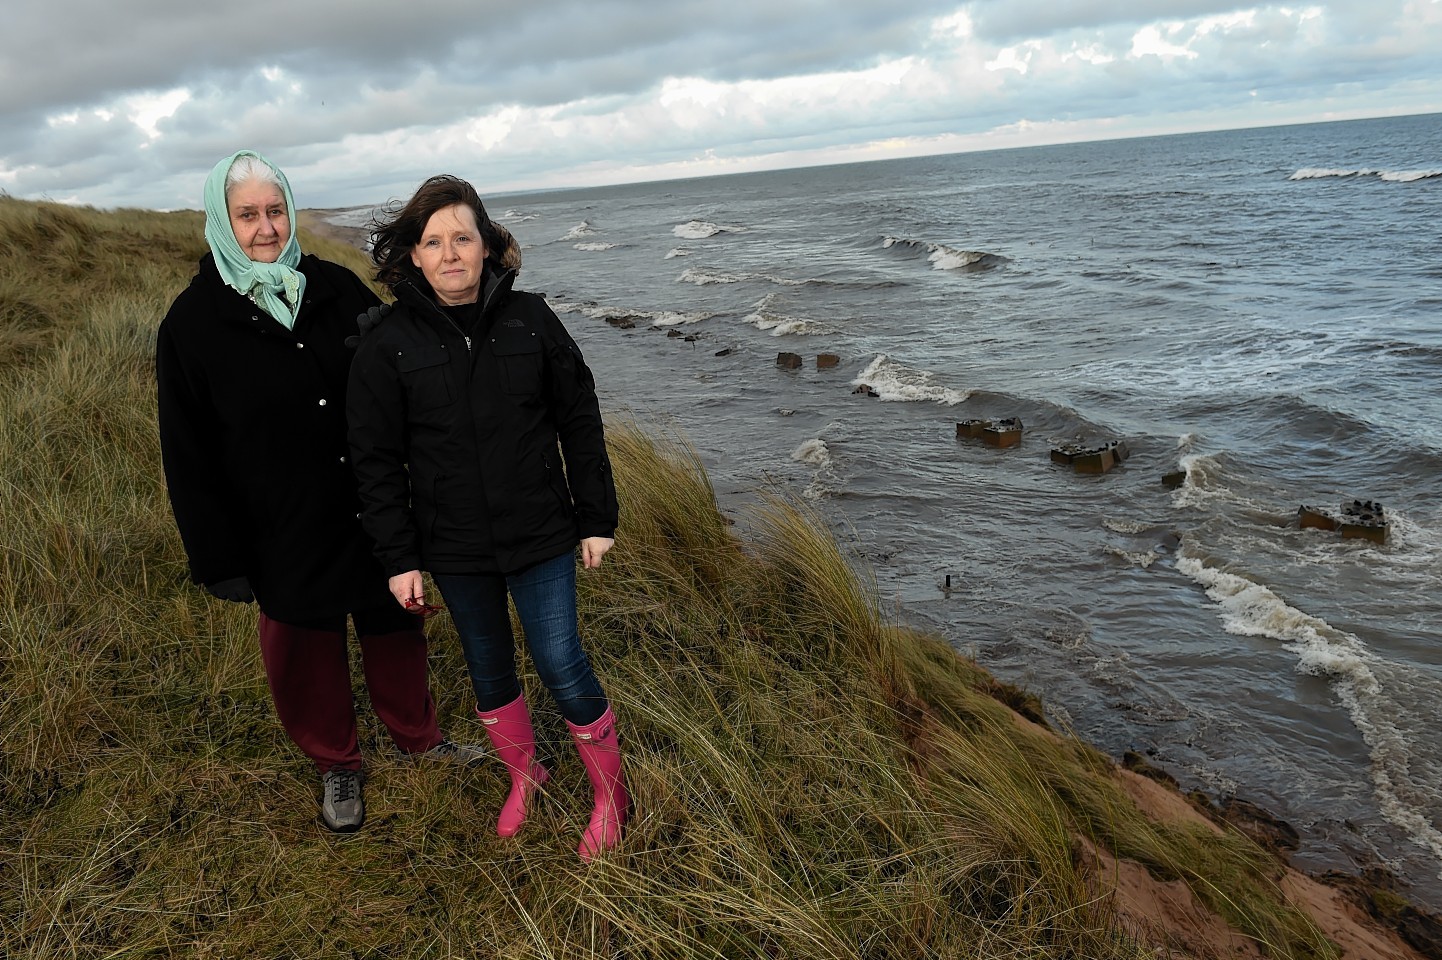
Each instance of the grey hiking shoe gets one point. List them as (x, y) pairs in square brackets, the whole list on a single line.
[(464, 754), (342, 808)]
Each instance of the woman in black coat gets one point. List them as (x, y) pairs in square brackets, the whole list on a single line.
[(478, 443), (252, 366)]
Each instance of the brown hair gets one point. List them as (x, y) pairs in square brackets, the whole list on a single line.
[(395, 233)]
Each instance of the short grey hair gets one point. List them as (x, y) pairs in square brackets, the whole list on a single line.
[(249, 167)]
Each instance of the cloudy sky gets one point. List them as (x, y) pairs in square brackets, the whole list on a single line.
[(130, 104)]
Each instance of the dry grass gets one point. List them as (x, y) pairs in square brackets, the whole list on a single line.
[(812, 780)]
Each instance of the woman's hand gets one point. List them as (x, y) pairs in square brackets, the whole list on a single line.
[(593, 549), (408, 589)]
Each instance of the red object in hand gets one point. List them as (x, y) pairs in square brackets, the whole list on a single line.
[(422, 610)]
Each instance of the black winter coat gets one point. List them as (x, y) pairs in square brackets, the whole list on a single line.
[(455, 441), (253, 439)]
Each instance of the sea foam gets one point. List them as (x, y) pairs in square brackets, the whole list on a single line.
[(582, 229), (1389, 176), (1322, 650), (656, 318), (701, 229), (896, 381)]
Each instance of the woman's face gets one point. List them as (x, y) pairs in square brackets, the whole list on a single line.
[(451, 254), (259, 219)]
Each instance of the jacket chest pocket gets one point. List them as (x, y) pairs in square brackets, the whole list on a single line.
[(520, 363), (426, 376)]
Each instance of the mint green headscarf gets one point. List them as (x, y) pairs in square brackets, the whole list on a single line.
[(275, 287)]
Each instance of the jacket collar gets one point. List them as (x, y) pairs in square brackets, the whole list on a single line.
[(496, 286)]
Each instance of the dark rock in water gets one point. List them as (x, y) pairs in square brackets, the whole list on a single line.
[(1268, 831), (673, 332), (867, 390), (726, 352), (1174, 479), (789, 361), (623, 323), (825, 361), (1139, 764)]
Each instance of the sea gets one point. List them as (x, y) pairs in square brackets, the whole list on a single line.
[(1253, 317)]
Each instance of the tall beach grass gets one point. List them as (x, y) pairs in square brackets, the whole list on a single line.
[(812, 778)]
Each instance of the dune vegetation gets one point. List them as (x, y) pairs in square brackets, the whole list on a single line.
[(812, 779)]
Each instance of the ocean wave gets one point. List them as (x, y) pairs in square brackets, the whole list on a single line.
[(1349, 667), (516, 216), (1389, 176), (595, 245), (898, 382), (353, 217), (676, 252), (780, 325), (813, 452), (701, 229), (703, 278), (582, 229), (618, 315), (1136, 558), (942, 257)]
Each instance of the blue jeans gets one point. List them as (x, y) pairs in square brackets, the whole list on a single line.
[(545, 598)]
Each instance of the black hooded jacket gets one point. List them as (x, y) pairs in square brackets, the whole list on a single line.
[(253, 436), (459, 443)]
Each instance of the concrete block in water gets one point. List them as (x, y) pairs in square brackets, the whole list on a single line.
[(1174, 479), (1315, 518), (995, 433), (1091, 460), (825, 361), (788, 361), (866, 390), (1363, 519), (1002, 433)]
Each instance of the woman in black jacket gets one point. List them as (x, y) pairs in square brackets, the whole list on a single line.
[(466, 402), (252, 364)]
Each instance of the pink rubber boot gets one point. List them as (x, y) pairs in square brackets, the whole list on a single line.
[(601, 755), (509, 728)]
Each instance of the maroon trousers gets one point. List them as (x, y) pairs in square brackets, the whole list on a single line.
[(308, 669)]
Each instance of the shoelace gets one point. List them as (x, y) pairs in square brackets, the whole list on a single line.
[(344, 785)]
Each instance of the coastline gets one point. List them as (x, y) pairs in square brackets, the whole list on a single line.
[(1366, 916)]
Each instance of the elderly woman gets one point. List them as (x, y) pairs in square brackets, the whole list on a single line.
[(252, 366), (477, 439)]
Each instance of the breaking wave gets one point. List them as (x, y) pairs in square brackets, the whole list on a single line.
[(623, 316), (1389, 176), (813, 452), (595, 245), (1345, 662), (898, 382), (582, 229), (942, 257), (778, 324), (701, 229), (516, 216)]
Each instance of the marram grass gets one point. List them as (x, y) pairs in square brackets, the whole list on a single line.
[(811, 778)]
